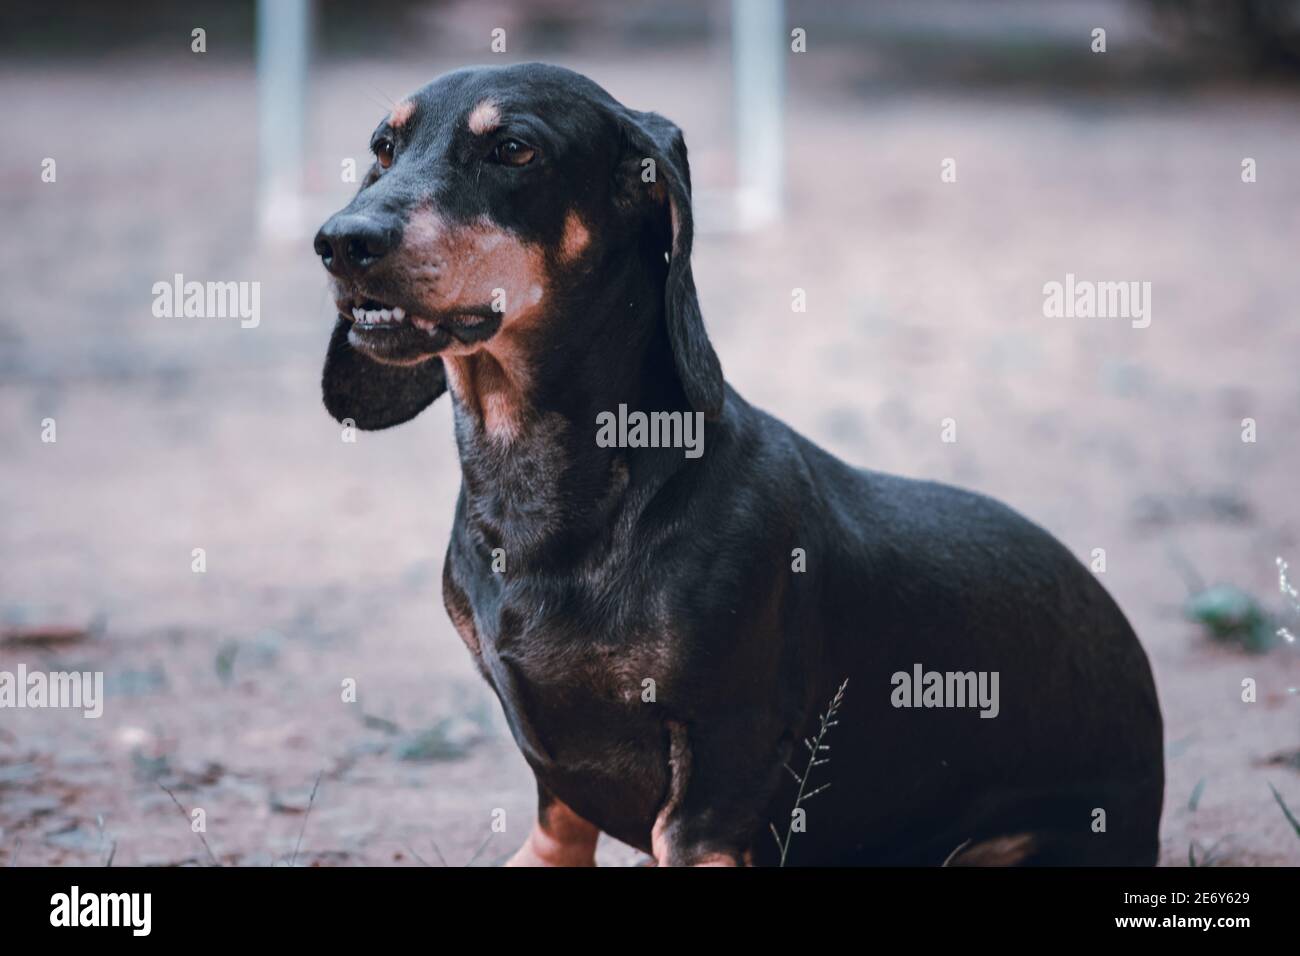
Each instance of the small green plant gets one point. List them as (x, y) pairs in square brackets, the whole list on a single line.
[(816, 747), (1232, 616)]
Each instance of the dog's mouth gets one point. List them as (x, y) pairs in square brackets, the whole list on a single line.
[(370, 314), (392, 333)]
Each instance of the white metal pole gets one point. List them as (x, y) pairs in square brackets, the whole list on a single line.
[(759, 47), (283, 36)]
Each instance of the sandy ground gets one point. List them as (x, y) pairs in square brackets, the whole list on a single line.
[(323, 558)]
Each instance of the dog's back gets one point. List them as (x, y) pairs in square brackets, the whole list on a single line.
[(912, 578)]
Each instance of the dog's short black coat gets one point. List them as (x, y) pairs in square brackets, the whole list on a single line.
[(623, 566)]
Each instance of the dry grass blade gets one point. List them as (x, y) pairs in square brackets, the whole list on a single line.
[(815, 746), (186, 814), (947, 861), (419, 859), (442, 859), (311, 802), (481, 847), (1290, 817)]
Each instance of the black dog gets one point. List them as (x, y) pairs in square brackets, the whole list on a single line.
[(664, 631)]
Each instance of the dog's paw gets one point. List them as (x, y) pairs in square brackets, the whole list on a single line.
[(542, 849)]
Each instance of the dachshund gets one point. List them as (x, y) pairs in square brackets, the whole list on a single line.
[(688, 649)]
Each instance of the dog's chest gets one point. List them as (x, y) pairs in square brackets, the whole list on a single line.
[(584, 706), (587, 719), (554, 663), (577, 652), (567, 671)]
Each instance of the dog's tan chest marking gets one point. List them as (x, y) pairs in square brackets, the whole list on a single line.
[(464, 625), (460, 611), (485, 388)]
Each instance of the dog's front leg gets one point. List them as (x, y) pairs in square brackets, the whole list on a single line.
[(713, 806), (559, 837)]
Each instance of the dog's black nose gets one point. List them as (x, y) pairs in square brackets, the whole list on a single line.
[(348, 245)]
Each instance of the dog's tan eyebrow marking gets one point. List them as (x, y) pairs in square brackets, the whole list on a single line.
[(401, 113), (484, 118)]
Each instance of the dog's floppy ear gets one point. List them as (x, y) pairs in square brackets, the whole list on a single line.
[(650, 136), (374, 395)]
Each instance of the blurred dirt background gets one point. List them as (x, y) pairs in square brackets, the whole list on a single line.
[(924, 302)]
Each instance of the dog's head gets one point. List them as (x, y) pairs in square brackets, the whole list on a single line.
[(495, 197)]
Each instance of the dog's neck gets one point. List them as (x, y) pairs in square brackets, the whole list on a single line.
[(535, 481)]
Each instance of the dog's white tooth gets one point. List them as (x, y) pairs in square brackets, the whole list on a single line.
[(372, 315), (385, 315), (399, 313), (357, 312)]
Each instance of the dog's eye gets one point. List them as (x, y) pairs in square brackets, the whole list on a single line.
[(384, 152), (513, 153)]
